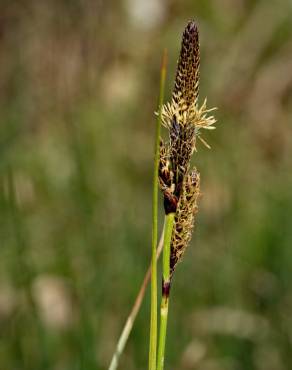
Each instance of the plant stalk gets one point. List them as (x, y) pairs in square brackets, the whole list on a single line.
[(153, 315), (169, 221)]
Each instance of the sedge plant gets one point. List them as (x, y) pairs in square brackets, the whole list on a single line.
[(179, 182), (183, 120)]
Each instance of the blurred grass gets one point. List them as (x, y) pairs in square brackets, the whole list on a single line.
[(78, 88)]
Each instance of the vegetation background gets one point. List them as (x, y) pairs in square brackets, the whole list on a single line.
[(79, 83)]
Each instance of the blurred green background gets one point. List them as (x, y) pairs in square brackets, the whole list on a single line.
[(78, 88)]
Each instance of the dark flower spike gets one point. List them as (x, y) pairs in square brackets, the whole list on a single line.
[(184, 120), (186, 84)]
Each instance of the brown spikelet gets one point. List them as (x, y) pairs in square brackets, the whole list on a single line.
[(186, 84), (184, 218)]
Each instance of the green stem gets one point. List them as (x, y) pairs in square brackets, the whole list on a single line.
[(169, 221), (153, 317), (132, 316)]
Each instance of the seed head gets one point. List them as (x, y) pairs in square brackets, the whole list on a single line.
[(184, 119)]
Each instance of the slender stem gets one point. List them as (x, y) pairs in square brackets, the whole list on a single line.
[(169, 221), (132, 316), (162, 331), (153, 317)]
